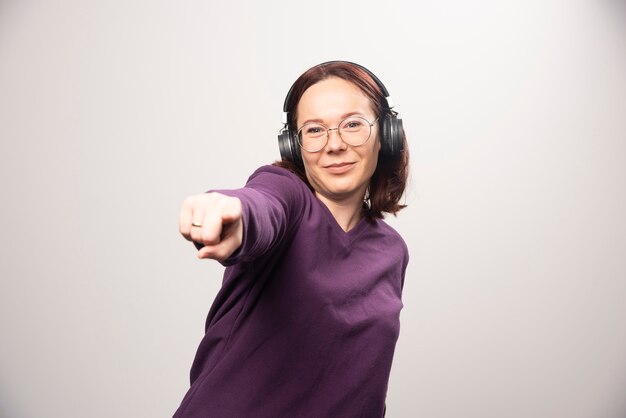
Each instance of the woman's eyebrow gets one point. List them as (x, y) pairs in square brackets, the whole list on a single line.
[(342, 117)]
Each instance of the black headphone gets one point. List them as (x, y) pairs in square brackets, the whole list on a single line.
[(391, 132)]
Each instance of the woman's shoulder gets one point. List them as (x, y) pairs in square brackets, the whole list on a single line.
[(277, 176), (282, 184)]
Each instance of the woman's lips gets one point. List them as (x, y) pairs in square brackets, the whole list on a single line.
[(339, 168)]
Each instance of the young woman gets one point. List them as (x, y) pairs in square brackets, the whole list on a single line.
[(306, 321)]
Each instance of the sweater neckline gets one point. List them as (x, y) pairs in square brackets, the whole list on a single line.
[(347, 237)]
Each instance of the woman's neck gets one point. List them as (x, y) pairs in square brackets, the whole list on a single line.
[(347, 212)]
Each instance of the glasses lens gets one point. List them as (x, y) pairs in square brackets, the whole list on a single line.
[(312, 137), (355, 130)]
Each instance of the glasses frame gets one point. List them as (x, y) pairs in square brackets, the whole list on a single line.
[(338, 132)]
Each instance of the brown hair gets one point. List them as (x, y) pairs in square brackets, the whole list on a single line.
[(388, 182)]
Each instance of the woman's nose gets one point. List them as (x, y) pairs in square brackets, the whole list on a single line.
[(335, 142)]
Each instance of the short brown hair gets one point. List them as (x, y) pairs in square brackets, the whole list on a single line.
[(388, 182)]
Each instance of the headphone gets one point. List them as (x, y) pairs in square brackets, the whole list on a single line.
[(391, 131)]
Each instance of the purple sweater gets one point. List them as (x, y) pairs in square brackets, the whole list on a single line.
[(307, 319)]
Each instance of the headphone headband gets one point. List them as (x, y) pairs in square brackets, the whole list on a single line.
[(380, 84)]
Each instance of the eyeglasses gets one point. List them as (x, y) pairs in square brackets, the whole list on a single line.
[(353, 130)]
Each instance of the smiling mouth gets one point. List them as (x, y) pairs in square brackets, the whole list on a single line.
[(339, 168), (338, 165)]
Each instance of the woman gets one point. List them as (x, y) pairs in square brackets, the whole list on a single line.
[(307, 319)]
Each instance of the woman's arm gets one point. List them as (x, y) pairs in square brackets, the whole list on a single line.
[(242, 224)]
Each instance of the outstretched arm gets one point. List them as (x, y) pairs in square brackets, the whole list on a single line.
[(243, 224)]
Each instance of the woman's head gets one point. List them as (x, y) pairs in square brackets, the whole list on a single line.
[(344, 95)]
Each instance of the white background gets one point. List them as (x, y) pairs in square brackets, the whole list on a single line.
[(111, 112)]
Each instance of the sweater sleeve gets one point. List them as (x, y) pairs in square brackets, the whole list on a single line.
[(273, 201)]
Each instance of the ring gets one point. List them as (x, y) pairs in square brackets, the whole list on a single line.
[(196, 224)]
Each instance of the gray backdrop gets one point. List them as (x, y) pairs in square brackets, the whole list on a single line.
[(111, 112)]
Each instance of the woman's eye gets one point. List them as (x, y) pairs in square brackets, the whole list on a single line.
[(313, 131), (352, 124)]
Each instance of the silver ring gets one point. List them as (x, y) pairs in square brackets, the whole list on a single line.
[(196, 224)]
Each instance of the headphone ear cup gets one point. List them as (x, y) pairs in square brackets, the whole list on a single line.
[(289, 148), (284, 145), (397, 135), (392, 137)]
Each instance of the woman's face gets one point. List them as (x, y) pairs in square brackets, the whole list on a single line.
[(339, 172)]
